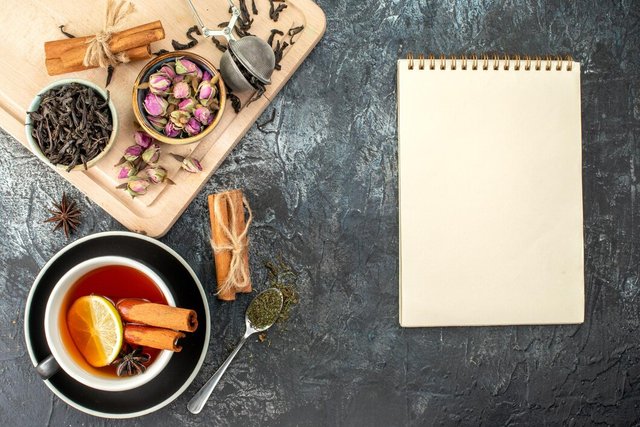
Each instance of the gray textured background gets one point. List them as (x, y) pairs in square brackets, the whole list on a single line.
[(324, 192)]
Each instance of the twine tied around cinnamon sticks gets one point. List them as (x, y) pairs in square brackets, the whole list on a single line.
[(230, 243), (73, 54), (98, 51)]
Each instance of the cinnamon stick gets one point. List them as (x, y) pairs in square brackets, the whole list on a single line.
[(75, 55), (56, 66), (222, 258), (236, 197), (55, 48), (229, 205), (66, 55), (149, 336), (163, 316)]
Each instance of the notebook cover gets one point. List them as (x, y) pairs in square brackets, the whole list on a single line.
[(490, 188)]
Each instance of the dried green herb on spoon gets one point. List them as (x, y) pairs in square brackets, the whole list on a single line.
[(265, 309)]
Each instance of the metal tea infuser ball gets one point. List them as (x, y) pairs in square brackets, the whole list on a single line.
[(253, 53)]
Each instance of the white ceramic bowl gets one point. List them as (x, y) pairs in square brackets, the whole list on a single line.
[(52, 327), (35, 148)]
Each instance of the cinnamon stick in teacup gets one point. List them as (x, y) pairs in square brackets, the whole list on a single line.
[(163, 316), (148, 336)]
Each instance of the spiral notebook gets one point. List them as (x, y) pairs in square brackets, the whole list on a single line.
[(490, 187)]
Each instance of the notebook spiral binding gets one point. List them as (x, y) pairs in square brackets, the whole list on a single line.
[(486, 62)]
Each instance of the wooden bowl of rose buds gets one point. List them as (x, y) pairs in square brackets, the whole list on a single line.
[(178, 98)]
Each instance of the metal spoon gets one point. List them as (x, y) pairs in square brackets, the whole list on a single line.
[(198, 401)]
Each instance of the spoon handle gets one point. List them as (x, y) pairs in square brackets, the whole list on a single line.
[(198, 401)]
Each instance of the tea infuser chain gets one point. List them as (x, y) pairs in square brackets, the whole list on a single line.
[(226, 32), (248, 54)]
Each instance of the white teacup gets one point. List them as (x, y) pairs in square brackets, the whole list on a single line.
[(60, 357)]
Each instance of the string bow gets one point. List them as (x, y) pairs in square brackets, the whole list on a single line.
[(98, 52), (238, 276)]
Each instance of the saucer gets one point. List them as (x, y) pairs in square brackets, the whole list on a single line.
[(188, 293)]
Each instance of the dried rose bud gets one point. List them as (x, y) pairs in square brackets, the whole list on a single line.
[(203, 114), (157, 122), (191, 165), (159, 83), (184, 66), (127, 170), (151, 154), (181, 90), (194, 82), (168, 70), (171, 130), (206, 76), (193, 127), (179, 118), (137, 186), (142, 138), (206, 92), (155, 105), (158, 175), (132, 153), (187, 104), (188, 163)]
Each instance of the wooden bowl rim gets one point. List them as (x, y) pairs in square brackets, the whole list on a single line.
[(137, 110)]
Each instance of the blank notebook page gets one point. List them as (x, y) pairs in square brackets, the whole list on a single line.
[(490, 195)]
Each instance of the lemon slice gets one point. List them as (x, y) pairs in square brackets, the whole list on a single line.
[(96, 329)]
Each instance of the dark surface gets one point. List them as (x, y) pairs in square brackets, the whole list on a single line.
[(324, 193)]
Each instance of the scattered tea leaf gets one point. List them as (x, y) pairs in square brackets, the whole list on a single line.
[(293, 31), (260, 90), (245, 18), (244, 22), (273, 34), (274, 12), (270, 120), (110, 71), (279, 51), (71, 36), (221, 47), (192, 40), (235, 102), (160, 52)]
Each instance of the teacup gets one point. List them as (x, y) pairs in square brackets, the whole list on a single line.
[(54, 327)]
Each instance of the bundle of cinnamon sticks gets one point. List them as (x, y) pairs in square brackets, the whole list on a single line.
[(155, 325), (230, 243), (67, 55)]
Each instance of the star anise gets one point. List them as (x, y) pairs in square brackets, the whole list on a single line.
[(131, 362), (65, 214)]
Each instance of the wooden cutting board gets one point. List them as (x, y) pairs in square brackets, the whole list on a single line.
[(30, 23)]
